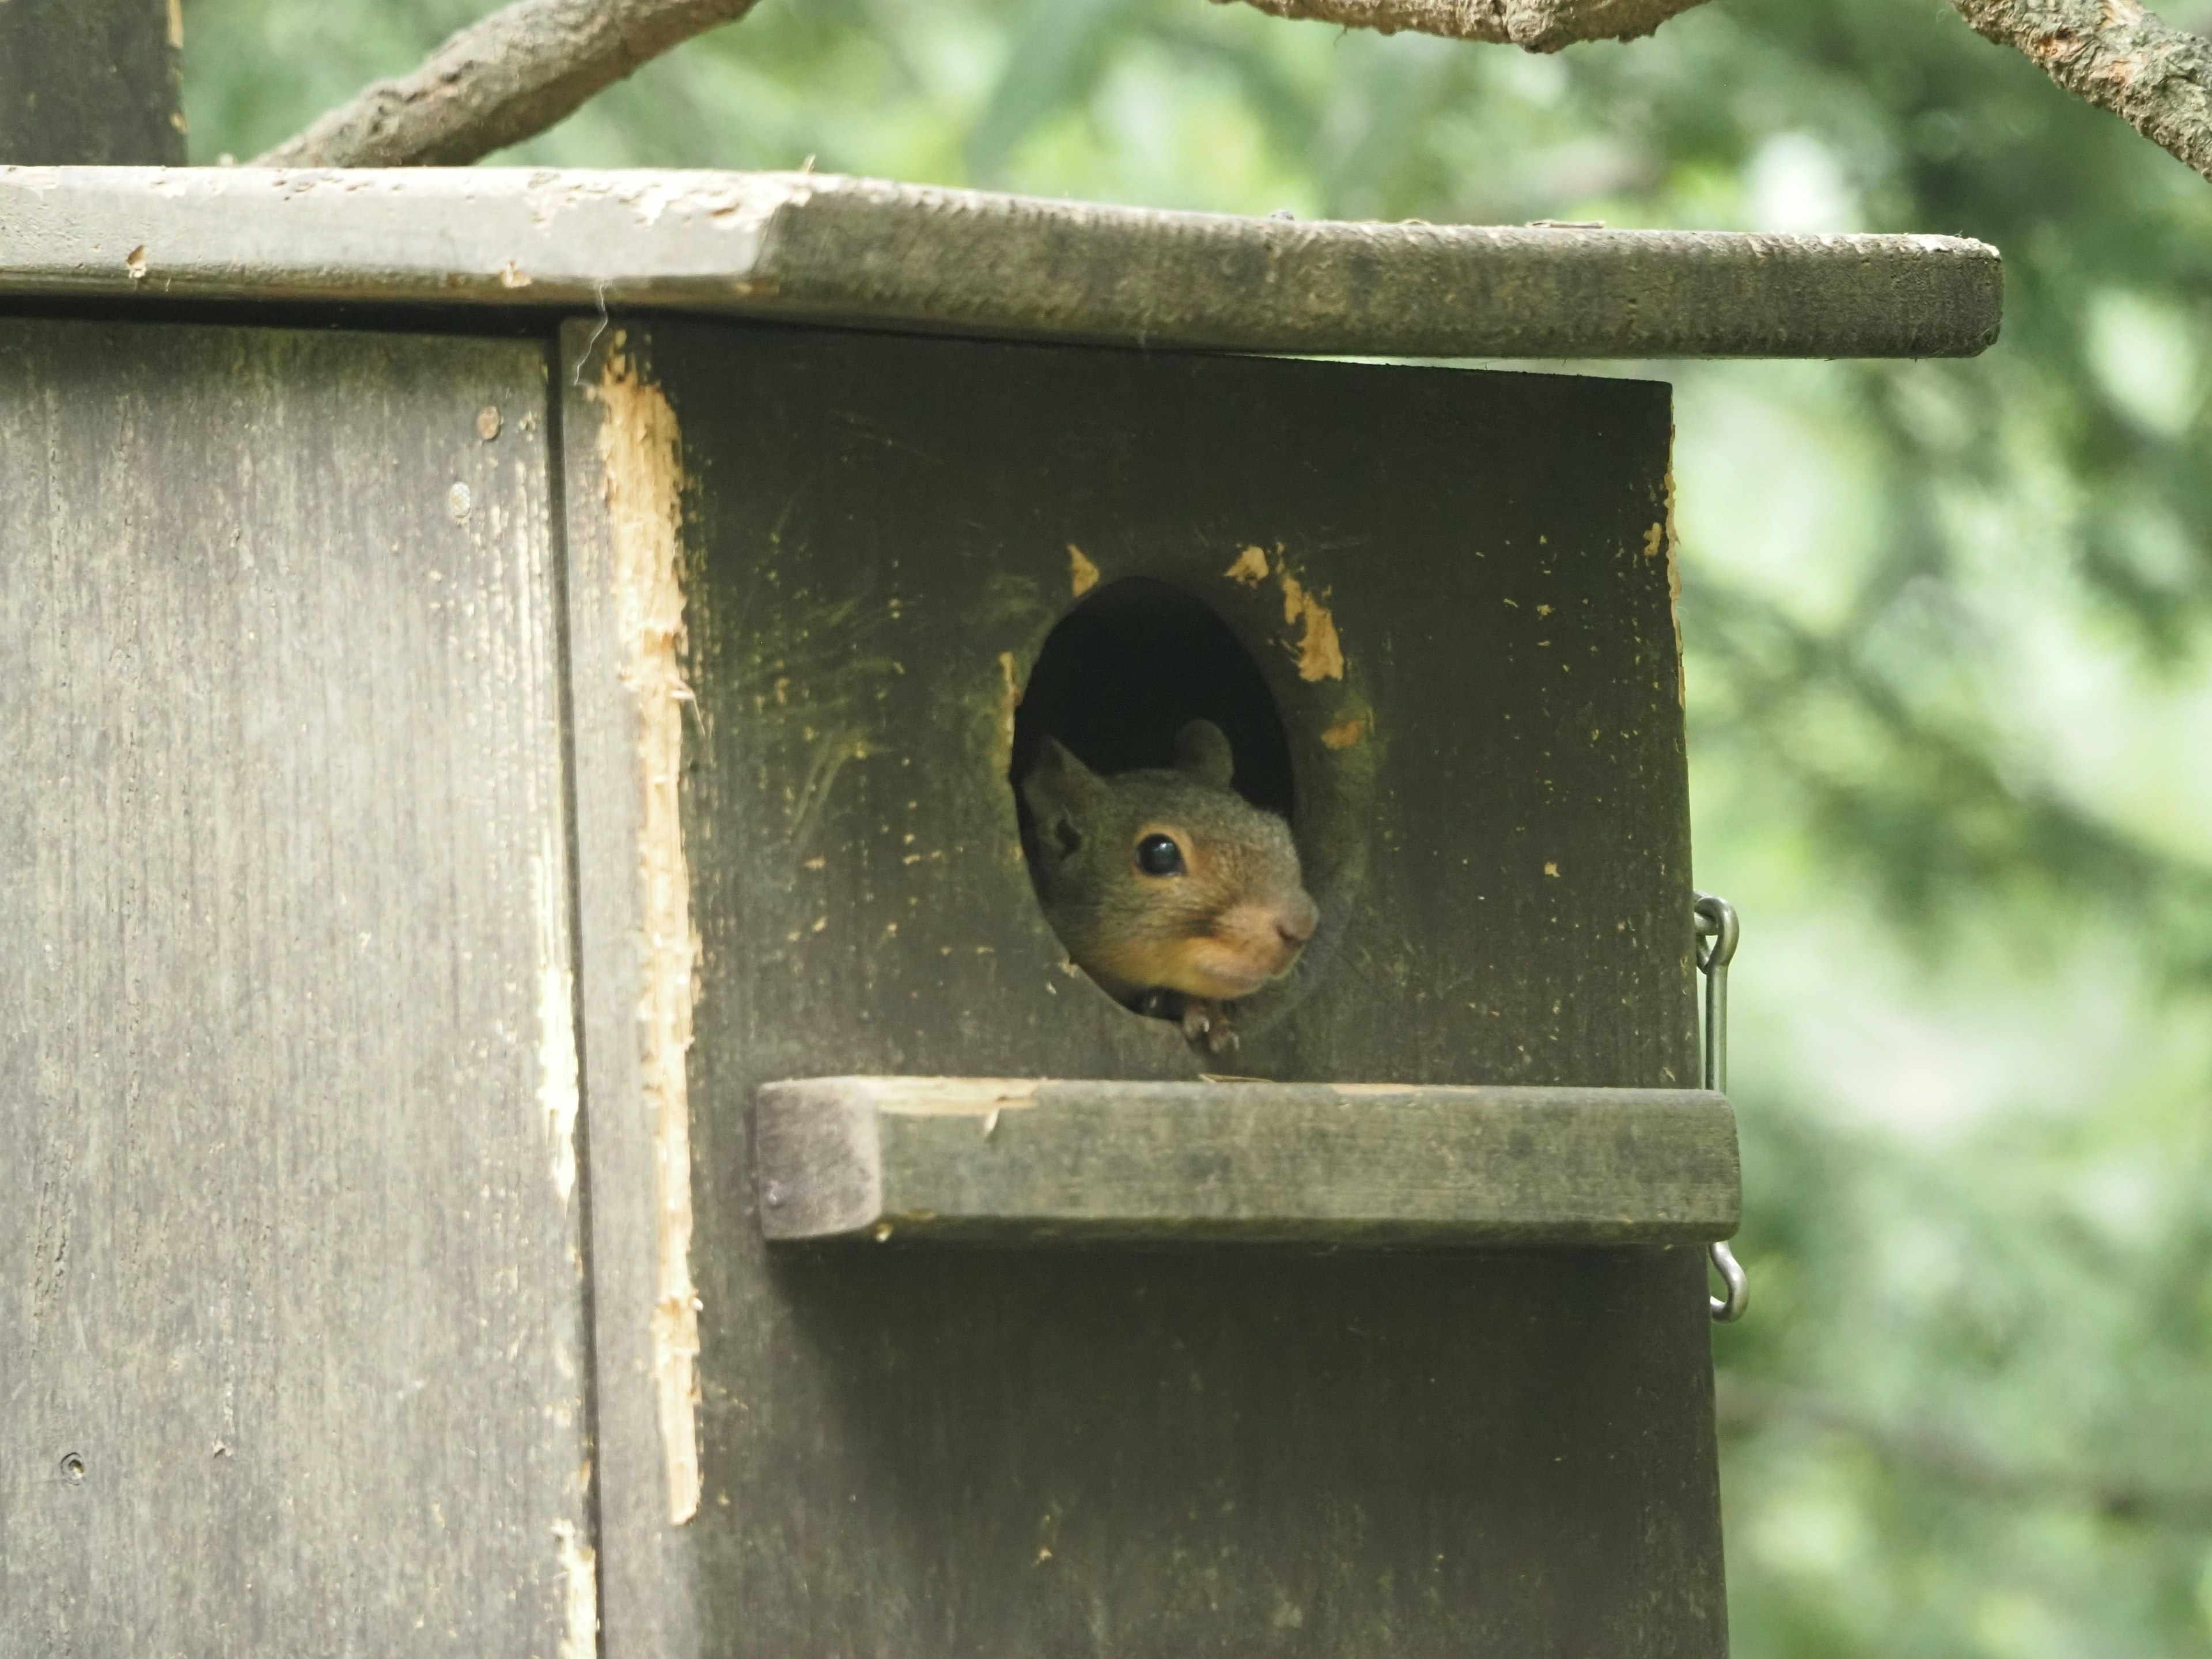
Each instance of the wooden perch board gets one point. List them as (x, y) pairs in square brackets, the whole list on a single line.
[(989, 1160)]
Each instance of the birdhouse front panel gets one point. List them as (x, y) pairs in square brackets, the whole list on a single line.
[(833, 595)]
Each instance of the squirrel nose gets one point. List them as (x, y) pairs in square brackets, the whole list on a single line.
[(1296, 925)]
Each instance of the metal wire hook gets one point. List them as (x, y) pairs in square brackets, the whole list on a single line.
[(1717, 932), (1728, 1308)]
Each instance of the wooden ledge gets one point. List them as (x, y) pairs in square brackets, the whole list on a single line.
[(864, 251), (986, 1160)]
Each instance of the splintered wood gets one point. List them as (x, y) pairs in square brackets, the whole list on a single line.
[(640, 452)]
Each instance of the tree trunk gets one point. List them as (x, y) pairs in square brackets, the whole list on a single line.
[(96, 81)]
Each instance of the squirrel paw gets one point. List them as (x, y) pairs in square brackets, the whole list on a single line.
[(1205, 1026)]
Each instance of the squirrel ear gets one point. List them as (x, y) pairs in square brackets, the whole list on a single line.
[(1203, 751), (1059, 785)]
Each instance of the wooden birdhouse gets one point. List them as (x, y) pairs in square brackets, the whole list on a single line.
[(546, 1107)]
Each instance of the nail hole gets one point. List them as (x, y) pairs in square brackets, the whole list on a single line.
[(72, 1468)]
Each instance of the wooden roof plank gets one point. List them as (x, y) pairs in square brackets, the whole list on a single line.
[(870, 253)]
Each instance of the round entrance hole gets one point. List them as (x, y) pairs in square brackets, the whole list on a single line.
[(1123, 673)]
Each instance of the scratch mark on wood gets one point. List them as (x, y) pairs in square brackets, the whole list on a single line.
[(579, 1633), (1083, 576), (984, 1097), (639, 449), (557, 1087), (1318, 652), (829, 757), (1009, 700), (1346, 732), (57, 1216), (1250, 569)]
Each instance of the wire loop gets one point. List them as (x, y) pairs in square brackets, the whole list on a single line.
[(1718, 933)]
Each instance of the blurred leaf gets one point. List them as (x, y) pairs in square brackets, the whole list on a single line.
[(1055, 55)]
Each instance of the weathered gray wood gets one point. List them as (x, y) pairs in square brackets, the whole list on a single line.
[(859, 250), (92, 81), (293, 1342), (1012, 1161), (1126, 1453)]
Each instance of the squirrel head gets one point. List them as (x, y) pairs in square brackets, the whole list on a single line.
[(1166, 878)]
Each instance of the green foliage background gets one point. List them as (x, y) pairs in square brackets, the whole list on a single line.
[(1950, 696)]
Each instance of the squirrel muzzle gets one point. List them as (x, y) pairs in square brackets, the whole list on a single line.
[(1247, 945)]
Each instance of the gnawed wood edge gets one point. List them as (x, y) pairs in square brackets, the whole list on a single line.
[(640, 455)]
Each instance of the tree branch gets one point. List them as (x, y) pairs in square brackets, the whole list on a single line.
[(2114, 53), (1533, 25), (533, 63), (499, 82), (1935, 1454)]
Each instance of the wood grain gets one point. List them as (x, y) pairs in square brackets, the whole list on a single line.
[(984, 1161), (292, 1318)]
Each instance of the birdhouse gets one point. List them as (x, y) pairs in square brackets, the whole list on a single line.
[(548, 1105)]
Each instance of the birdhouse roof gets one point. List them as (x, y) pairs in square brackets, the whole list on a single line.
[(869, 253)]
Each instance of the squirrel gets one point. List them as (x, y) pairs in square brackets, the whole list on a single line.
[(1172, 891)]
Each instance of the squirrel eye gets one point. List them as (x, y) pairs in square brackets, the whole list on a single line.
[(1159, 855)]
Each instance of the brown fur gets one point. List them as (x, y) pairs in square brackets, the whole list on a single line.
[(1236, 919)]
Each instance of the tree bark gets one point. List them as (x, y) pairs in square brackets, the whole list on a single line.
[(1533, 25), (91, 82), (2115, 54), (497, 82), (2118, 56)]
